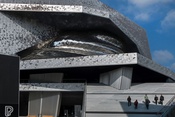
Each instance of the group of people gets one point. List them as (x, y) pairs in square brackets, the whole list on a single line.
[(147, 101), (161, 99), (129, 102)]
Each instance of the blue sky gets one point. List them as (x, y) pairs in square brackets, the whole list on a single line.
[(157, 17)]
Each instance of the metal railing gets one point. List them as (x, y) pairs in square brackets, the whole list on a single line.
[(167, 107)]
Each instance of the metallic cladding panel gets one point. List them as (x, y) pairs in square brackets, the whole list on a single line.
[(61, 2), (83, 61), (57, 87), (130, 29), (101, 60), (147, 63), (133, 31), (18, 33)]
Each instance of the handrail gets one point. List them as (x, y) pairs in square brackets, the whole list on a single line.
[(168, 106)]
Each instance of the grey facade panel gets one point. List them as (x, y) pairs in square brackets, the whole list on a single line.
[(143, 61), (102, 60), (18, 33), (61, 2), (132, 31), (83, 61)]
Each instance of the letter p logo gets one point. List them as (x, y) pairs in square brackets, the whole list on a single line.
[(8, 111)]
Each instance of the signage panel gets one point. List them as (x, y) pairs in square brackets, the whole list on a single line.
[(9, 86)]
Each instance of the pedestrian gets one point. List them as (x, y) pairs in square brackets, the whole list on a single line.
[(147, 103), (136, 104), (145, 97), (156, 99), (129, 100), (161, 99)]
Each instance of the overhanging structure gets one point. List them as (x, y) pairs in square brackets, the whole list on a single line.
[(97, 61), (104, 19)]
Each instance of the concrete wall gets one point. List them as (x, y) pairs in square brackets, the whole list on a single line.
[(51, 103), (34, 103), (119, 78), (45, 103)]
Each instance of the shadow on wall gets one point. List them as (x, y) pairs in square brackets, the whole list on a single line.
[(141, 110), (172, 112)]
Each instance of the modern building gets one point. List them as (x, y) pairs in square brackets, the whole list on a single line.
[(76, 53)]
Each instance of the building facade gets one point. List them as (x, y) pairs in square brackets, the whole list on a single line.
[(64, 45)]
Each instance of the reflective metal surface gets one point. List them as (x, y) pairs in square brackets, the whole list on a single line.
[(78, 43), (27, 24)]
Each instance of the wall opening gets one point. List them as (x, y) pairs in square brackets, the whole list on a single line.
[(71, 104)]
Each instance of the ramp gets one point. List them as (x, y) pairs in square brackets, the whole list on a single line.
[(105, 101)]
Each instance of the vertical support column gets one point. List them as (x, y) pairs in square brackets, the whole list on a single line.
[(119, 78), (58, 104), (49, 102), (9, 86), (34, 103), (77, 109)]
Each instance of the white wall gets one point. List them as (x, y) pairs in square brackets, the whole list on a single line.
[(119, 78)]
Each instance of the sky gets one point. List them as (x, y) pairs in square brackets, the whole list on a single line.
[(157, 17)]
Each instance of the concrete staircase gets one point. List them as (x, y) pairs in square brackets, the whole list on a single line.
[(105, 101)]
